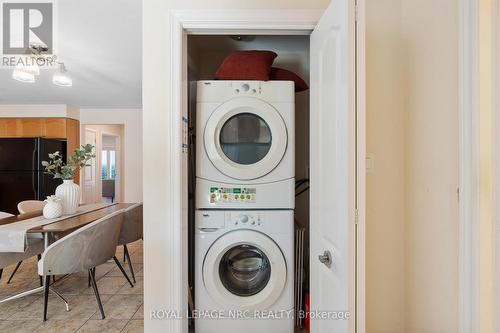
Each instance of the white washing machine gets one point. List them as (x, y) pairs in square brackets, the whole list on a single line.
[(245, 139), (244, 271)]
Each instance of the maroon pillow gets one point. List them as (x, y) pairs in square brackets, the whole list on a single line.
[(246, 65), (280, 74)]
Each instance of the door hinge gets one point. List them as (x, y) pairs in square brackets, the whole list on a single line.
[(356, 216), (458, 194)]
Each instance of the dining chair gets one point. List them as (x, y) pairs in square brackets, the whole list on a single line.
[(82, 250), (131, 231), (8, 258), (24, 207), (29, 206), (34, 248)]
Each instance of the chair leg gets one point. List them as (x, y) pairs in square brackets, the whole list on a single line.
[(46, 288), (96, 292), (91, 272), (123, 271), (41, 278), (1, 271), (14, 272), (130, 265), (125, 251)]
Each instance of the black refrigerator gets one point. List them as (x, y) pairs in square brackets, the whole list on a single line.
[(21, 171)]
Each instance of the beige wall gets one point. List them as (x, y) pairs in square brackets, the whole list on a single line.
[(430, 42), (412, 130), (385, 211), (487, 229)]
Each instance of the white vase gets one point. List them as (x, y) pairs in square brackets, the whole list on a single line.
[(53, 207), (69, 193)]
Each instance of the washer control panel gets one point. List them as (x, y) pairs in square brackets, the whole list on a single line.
[(244, 219)]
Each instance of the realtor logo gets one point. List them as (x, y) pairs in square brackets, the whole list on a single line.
[(25, 25)]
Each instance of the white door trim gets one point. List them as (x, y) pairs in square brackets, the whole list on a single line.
[(182, 22), (469, 268), (360, 167)]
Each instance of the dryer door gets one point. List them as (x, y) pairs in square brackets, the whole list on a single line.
[(244, 275), (245, 138)]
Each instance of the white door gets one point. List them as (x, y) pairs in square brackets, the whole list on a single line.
[(333, 176), (89, 179)]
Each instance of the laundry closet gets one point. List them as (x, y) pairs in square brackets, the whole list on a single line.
[(205, 53)]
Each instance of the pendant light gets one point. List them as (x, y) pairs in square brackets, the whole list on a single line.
[(23, 76), (61, 78), (26, 71)]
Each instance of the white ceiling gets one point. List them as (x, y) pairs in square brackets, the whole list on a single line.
[(100, 42)]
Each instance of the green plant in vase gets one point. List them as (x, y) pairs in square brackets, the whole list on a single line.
[(68, 191), (66, 171)]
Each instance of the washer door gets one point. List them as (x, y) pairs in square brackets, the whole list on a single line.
[(244, 275), (245, 138)]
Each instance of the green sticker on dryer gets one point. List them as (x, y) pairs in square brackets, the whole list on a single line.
[(233, 194)]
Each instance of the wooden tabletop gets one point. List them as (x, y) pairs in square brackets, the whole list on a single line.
[(70, 223), (20, 217)]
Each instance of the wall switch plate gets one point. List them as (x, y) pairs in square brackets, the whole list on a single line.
[(370, 163)]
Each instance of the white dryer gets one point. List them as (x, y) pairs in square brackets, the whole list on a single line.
[(244, 265), (245, 143)]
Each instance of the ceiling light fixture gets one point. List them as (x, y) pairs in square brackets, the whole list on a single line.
[(26, 70), (61, 78), (22, 76)]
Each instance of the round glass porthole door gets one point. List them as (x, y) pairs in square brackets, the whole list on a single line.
[(248, 274), (244, 270), (245, 138)]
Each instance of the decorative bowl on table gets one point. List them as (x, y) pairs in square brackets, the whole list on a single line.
[(53, 207)]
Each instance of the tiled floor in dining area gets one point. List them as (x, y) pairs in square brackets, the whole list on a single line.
[(123, 305)]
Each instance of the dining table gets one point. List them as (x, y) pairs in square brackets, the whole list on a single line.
[(61, 226)]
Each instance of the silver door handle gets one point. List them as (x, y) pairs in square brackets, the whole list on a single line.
[(326, 259)]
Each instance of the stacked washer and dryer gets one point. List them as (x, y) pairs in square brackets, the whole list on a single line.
[(245, 200)]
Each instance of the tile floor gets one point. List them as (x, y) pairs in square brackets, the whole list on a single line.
[(123, 305)]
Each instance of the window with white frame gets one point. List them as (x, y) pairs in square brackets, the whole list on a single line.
[(108, 164)]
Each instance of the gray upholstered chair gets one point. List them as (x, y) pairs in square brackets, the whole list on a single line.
[(82, 250), (34, 248), (131, 231), (24, 207)]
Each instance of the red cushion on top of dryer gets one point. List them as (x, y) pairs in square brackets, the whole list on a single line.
[(280, 74), (246, 65)]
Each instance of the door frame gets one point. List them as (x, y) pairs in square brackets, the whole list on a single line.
[(96, 161), (118, 162), (469, 168), (264, 22)]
